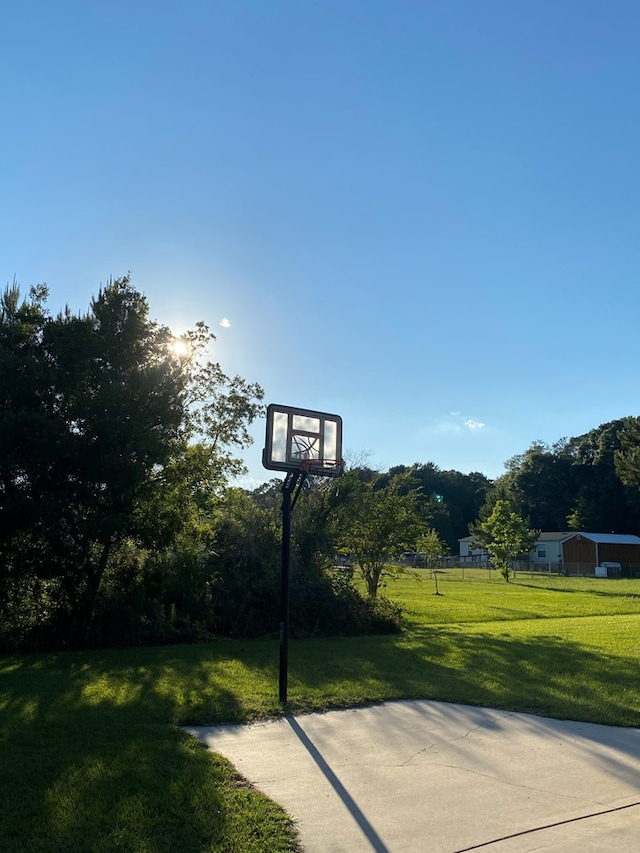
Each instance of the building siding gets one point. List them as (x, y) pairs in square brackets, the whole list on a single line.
[(583, 551)]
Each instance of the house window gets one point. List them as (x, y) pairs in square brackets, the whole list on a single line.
[(542, 552)]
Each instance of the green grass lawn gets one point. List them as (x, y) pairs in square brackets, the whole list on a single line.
[(93, 759)]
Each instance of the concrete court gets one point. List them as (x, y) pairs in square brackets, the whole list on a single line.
[(433, 777)]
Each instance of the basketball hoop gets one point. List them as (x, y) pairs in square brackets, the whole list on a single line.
[(322, 467), (303, 440), (300, 442)]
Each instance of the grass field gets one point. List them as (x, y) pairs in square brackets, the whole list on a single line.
[(93, 759)]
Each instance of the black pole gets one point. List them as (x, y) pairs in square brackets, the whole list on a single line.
[(284, 585), (291, 488), (289, 498)]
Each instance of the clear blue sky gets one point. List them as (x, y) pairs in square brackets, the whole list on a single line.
[(422, 216)]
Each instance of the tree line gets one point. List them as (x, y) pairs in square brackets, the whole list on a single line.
[(590, 482)]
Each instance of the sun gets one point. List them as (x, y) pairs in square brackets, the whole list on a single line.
[(180, 347)]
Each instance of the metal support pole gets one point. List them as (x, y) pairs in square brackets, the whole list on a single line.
[(284, 585), (290, 493)]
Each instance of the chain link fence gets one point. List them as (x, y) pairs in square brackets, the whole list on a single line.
[(454, 569)]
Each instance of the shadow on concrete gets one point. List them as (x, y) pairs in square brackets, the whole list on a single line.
[(369, 832)]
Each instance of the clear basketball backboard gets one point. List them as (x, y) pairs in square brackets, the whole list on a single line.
[(303, 440)]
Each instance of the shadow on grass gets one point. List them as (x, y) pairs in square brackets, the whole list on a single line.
[(544, 675), (610, 592), (92, 760)]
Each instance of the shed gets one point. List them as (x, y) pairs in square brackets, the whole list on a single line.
[(582, 552)]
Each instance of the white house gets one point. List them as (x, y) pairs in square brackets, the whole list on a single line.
[(548, 547), (472, 556)]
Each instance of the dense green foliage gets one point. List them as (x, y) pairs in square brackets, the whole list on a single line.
[(627, 458), (246, 566), (371, 518), (114, 447), (583, 483)]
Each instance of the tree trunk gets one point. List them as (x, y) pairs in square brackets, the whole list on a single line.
[(83, 618), (372, 578)]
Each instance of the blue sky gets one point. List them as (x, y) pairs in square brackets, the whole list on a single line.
[(422, 216)]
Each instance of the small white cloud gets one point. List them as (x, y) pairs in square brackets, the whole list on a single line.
[(225, 323), (455, 414), (471, 424)]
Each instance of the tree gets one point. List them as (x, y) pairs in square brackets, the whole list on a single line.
[(106, 430), (505, 535), (375, 524), (432, 547), (540, 483), (603, 500), (627, 457), (430, 544)]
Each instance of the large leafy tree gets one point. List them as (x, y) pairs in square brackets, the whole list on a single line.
[(107, 432), (375, 522), (25, 396), (604, 501), (627, 454), (540, 484), (505, 535)]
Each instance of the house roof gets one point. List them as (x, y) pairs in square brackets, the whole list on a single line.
[(606, 538), (553, 536), (565, 536)]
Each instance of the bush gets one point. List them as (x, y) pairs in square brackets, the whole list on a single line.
[(196, 591), (324, 601)]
